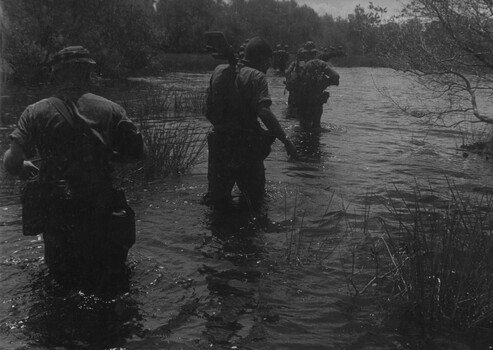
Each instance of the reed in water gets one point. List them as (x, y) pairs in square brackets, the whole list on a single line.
[(439, 258), (173, 138)]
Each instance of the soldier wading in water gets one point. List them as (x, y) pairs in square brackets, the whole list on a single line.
[(86, 224), (306, 80), (238, 96)]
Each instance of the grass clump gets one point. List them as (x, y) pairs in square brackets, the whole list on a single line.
[(170, 125), (172, 148), (441, 259)]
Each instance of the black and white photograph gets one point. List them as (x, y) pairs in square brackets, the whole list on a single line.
[(246, 174)]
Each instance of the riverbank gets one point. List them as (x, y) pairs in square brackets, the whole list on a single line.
[(202, 62), (166, 63)]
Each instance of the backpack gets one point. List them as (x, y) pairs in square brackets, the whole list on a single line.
[(314, 80), (294, 76)]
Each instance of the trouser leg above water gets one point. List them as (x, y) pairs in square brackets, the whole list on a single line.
[(227, 167)]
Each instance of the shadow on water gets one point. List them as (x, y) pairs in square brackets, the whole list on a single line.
[(224, 310), (234, 296)]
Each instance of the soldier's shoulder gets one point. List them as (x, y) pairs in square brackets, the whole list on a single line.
[(41, 103), (251, 73), (222, 70), (91, 97), (316, 62), (221, 67), (39, 107), (91, 101)]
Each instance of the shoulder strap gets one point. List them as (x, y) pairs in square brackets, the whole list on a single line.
[(62, 108), (69, 111)]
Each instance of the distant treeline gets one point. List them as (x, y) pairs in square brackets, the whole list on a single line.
[(130, 36)]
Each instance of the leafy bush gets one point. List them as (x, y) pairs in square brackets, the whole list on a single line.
[(115, 31)]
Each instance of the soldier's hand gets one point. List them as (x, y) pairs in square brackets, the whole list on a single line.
[(291, 149), (29, 170)]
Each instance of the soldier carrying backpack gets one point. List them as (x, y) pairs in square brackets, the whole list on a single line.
[(69, 198), (306, 82), (237, 100)]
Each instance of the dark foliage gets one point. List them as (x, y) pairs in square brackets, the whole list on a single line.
[(126, 36)]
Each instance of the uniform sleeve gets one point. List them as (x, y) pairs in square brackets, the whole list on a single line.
[(23, 133), (290, 68), (333, 75), (128, 140), (330, 71), (262, 97)]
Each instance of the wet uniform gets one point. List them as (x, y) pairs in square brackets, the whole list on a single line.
[(75, 171), (283, 60), (293, 82), (308, 81), (238, 145)]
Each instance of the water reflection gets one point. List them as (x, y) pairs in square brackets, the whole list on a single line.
[(308, 145), (234, 313), (235, 232), (220, 287)]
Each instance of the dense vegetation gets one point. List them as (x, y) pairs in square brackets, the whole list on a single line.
[(126, 36)]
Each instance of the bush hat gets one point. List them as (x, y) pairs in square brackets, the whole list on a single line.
[(71, 54)]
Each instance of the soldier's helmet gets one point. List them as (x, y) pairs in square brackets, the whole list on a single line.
[(257, 50), (301, 54), (310, 47), (71, 54)]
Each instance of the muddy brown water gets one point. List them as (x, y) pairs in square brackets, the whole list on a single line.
[(205, 282)]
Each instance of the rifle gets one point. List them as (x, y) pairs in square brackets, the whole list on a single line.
[(218, 46)]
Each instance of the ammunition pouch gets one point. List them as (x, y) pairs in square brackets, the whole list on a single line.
[(35, 199), (334, 80), (33, 209), (40, 201), (324, 97), (121, 224)]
